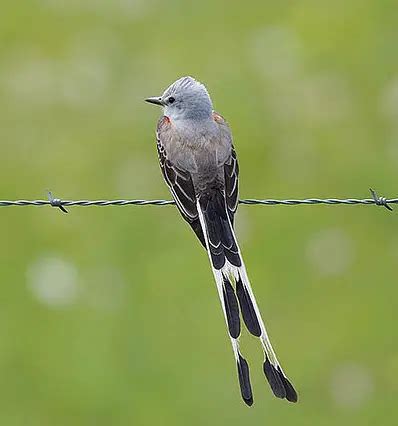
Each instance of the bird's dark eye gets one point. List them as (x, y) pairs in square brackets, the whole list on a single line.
[(171, 99)]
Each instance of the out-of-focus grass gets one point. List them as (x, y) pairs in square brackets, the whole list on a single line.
[(110, 316)]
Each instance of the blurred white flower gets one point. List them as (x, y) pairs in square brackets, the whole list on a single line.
[(330, 252), (53, 281), (351, 385)]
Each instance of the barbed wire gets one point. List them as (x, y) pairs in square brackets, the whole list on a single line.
[(61, 204)]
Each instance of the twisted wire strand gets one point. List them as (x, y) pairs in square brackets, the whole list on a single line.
[(57, 202), (309, 201), (84, 203)]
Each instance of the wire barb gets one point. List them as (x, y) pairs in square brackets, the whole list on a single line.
[(380, 201), (56, 202)]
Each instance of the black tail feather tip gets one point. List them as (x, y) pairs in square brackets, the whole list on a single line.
[(291, 394), (274, 379), (280, 385), (244, 381), (247, 308), (231, 309)]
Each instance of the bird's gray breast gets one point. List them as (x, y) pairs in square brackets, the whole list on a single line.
[(201, 149)]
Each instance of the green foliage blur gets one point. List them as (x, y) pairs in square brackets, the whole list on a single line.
[(109, 316)]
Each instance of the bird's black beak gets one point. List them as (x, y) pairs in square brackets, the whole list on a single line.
[(155, 100)]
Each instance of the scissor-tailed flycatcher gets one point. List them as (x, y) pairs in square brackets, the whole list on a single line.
[(199, 165)]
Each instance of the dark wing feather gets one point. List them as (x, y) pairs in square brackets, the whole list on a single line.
[(231, 175), (181, 186)]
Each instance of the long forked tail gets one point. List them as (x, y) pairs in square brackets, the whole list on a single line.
[(228, 269)]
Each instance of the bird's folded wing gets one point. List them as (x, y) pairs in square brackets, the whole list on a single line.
[(231, 175), (180, 184)]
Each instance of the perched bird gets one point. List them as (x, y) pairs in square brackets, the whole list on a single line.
[(199, 165)]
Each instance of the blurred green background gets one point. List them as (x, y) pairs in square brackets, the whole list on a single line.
[(109, 316)]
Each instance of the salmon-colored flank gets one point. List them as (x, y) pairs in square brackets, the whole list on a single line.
[(164, 122), (217, 117)]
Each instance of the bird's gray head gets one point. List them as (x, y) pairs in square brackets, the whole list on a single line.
[(185, 99)]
